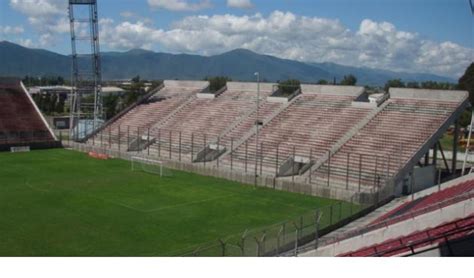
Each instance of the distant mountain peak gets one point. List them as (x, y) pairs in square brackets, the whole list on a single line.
[(238, 64), (139, 51), (240, 51)]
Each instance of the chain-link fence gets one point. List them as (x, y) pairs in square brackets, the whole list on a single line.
[(281, 238)]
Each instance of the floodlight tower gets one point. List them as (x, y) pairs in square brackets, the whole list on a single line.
[(86, 98)]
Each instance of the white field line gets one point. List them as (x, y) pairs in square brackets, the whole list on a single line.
[(162, 208)]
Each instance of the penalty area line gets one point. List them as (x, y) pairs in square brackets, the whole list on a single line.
[(161, 208)]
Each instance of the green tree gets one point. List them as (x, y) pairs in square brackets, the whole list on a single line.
[(217, 82), (413, 84), (349, 80), (394, 83), (110, 103), (323, 82), (466, 82), (289, 86), (136, 79)]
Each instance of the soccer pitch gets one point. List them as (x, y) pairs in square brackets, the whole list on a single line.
[(63, 203)]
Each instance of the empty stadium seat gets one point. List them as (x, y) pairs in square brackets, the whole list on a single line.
[(20, 122)]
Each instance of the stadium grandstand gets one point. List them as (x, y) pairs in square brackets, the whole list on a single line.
[(327, 140), (21, 122)]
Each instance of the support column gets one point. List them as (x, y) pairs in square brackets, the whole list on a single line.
[(435, 155), (455, 148)]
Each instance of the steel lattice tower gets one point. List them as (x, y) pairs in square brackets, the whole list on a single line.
[(86, 100)]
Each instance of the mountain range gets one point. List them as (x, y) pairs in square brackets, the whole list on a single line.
[(239, 64)]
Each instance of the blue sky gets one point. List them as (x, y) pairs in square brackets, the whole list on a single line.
[(435, 36)]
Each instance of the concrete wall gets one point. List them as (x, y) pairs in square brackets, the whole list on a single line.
[(186, 84), (206, 96), (444, 95), (278, 99), (236, 175), (360, 104), (353, 91), (250, 86), (418, 223)]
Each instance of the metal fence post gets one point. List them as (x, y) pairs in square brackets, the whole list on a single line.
[(278, 239), (329, 168), (119, 143), (192, 146), (340, 211), (231, 153), (179, 146), (330, 215), (171, 143), (375, 171), (242, 242), (388, 168), (316, 235), (218, 146), (204, 149), (261, 158), (148, 141), (296, 239), (347, 170), (138, 139), (128, 137), (257, 253), (93, 139), (293, 167), (360, 169), (351, 204), (222, 246), (311, 163), (246, 152), (110, 137), (159, 142), (276, 162)]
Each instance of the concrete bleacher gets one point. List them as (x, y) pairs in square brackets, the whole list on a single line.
[(424, 203), (21, 122), (400, 218), (390, 140), (150, 111), (419, 241), (203, 121), (309, 125)]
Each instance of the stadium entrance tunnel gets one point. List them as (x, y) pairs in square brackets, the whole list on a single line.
[(295, 166), (210, 153), (141, 143)]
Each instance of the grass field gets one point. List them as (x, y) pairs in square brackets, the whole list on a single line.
[(63, 203)]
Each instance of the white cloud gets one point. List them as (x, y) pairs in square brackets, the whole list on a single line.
[(127, 14), (11, 30), (48, 17), (286, 35), (180, 5), (25, 42), (240, 4), (282, 34)]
